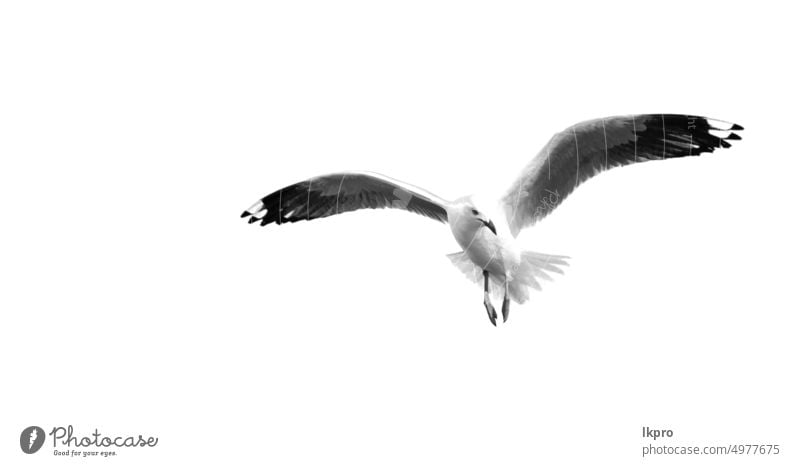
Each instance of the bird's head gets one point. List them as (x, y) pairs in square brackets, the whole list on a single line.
[(465, 214)]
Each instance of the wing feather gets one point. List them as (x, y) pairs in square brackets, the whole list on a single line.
[(338, 193), (588, 148)]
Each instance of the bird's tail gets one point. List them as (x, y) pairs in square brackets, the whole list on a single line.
[(534, 267)]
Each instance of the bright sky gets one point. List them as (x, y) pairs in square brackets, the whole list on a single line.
[(136, 301)]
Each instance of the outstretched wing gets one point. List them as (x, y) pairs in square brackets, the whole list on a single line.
[(586, 149), (337, 193)]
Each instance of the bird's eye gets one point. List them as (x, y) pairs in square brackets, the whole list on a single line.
[(474, 212)]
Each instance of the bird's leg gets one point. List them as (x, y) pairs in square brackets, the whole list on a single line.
[(486, 301), (506, 303)]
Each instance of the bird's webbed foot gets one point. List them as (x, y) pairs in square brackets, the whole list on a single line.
[(506, 307), (490, 309)]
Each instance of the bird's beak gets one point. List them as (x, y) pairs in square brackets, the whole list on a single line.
[(490, 226)]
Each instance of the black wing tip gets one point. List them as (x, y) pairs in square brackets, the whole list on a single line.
[(261, 221), (724, 141), (256, 212), (720, 125)]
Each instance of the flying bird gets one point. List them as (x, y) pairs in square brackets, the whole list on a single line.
[(490, 252)]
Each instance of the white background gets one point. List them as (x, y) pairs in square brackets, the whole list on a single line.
[(134, 299)]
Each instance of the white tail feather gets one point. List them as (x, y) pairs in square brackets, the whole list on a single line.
[(533, 268)]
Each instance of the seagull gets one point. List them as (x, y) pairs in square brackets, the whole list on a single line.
[(490, 252)]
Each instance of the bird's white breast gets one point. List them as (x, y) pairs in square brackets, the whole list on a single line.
[(497, 254)]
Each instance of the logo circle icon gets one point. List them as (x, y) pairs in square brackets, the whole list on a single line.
[(31, 439)]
